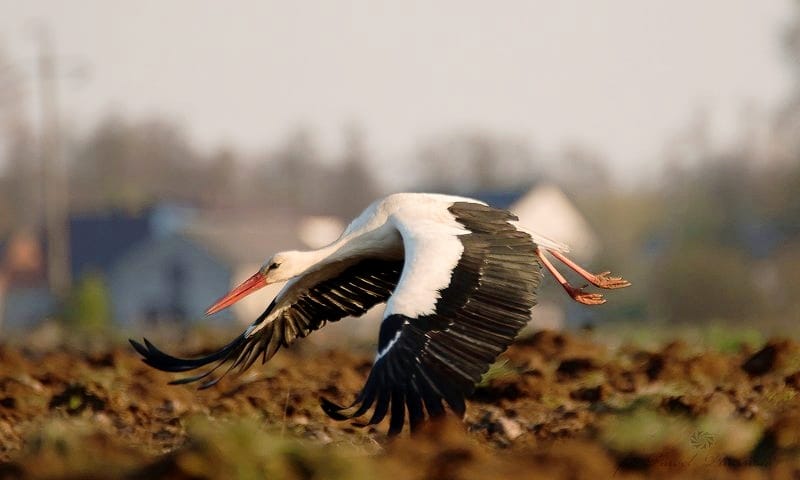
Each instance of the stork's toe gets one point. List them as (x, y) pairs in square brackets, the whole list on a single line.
[(586, 298), (604, 280)]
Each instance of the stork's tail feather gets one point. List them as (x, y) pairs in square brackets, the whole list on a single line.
[(544, 241)]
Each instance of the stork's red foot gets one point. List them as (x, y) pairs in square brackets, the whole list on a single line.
[(586, 298), (603, 280)]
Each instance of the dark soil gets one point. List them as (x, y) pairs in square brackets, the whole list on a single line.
[(561, 406)]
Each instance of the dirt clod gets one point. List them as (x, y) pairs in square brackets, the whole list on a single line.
[(761, 362)]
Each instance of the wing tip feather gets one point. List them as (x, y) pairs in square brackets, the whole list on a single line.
[(332, 409)]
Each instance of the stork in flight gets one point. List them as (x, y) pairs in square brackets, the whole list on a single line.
[(459, 279)]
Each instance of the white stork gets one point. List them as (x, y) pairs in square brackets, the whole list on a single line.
[(459, 279)]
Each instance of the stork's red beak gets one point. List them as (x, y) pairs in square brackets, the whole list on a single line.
[(247, 287)]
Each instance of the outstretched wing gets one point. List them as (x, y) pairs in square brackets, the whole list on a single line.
[(435, 348), (351, 292)]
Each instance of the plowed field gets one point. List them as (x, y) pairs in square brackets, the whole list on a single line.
[(556, 406)]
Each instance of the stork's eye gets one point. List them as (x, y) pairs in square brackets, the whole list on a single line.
[(273, 266)]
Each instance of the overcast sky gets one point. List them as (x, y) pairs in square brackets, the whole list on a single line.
[(617, 76)]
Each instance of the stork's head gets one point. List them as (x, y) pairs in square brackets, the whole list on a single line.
[(280, 267)]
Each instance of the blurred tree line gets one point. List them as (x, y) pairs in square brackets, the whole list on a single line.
[(128, 165), (716, 241), (718, 236)]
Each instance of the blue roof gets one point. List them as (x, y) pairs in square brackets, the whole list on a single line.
[(97, 241), (499, 198)]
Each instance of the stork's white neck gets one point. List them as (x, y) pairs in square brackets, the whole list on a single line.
[(383, 241)]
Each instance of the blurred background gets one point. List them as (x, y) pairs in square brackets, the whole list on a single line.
[(154, 153)]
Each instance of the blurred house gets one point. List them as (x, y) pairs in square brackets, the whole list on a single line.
[(24, 296), (176, 277), (97, 242)]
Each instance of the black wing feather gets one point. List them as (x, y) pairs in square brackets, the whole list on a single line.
[(355, 290)]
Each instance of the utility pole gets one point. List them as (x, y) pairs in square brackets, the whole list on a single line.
[(54, 177)]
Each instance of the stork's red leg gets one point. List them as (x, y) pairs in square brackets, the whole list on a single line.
[(602, 280), (577, 294)]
